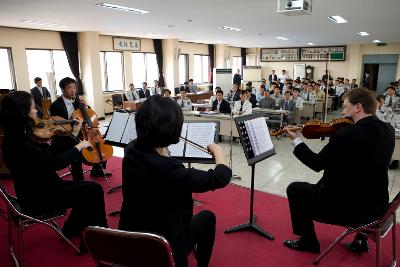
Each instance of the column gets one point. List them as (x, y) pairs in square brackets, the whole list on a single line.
[(221, 55), (171, 64)]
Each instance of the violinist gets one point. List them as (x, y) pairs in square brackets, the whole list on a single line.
[(64, 106), (33, 168), (157, 189), (353, 193)]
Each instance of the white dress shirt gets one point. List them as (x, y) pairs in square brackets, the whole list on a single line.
[(69, 105), (131, 95), (244, 109)]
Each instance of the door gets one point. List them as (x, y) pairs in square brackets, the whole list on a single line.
[(386, 75), (370, 76)]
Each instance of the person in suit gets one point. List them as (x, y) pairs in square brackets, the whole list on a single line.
[(184, 102), (234, 94), (220, 104), (267, 101), (131, 95), (144, 92), (157, 189), (33, 168), (288, 105), (64, 107), (260, 93), (39, 92), (272, 77), (156, 90), (355, 193), (391, 100), (192, 86), (252, 98), (237, 78), (243, 106)]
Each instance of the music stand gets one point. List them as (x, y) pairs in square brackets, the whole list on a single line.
[(252, 158)]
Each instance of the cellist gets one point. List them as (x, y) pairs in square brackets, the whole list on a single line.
[(64, 107), (33, 168)]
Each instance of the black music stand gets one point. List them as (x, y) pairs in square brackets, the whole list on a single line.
[(252, 159)]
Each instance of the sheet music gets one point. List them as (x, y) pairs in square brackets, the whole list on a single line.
[(260, 139), (130, 130), (116, 127), (202, 134), (176, 150)]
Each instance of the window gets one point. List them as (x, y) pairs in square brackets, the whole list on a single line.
[(7, 80), (144, 68), (201, 69), (236, 64), (112, 77), (183, 68), (50, 65)]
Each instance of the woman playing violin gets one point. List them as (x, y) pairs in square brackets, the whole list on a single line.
[(33, 168), (157, 189), (354, 186), (64, 107)]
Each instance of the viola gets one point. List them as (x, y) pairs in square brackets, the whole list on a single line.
[(45, 130), (99, 152), (317, 129)]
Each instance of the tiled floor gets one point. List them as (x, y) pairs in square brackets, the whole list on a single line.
[(274, 174)]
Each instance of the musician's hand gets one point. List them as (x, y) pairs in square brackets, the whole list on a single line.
[(77, 126), (218, 153), (82, 101), (83, 144), (291, 131)]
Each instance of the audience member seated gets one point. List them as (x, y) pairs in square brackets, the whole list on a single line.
[(260, 93), (308, 94), (391, 100), (252, 98), (234, 94), (243, 106), (297, 99), (288, 105), (157, 189), (319, 94), (144, 92), (220, 104), (277, 96), (184, 102), (166, 92), (131, 95), (267, 101), (192, 87), (33, 168), (156, 89)]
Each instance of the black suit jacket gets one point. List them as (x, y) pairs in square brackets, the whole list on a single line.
[(37, 96), (253, 100), (144, 95), (58, 108), (223, 108), (355, 164), (157, 195), (272, 78)]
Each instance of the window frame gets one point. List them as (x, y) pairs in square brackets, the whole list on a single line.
[(149, 83), (208, 67), (106, 89), (11, 66)]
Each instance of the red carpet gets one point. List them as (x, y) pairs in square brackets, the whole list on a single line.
[(231, 204)]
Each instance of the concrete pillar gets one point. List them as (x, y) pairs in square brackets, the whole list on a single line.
[(354, 58), (221, 55), (171, 63), (89, 46)]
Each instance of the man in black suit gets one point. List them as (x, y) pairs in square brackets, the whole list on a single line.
[(237, 78), (64, 106), (354, 192), (220, 104), (144, 92), (252, 99), (39, 92), (272, 77)]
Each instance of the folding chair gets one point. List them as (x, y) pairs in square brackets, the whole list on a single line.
[(110, 246), (20, 221), (376, 231)]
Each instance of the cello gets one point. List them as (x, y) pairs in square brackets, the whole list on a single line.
[(100, 152)]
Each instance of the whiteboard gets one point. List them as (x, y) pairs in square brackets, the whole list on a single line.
[(223, 79), (299, 70), (252, 73)]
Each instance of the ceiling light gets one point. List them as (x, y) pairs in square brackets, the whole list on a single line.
[(337, 19), (281, 38), (42, 23), (123, 8), (230, 28), (363, 33), (376, 41), (310, 44)]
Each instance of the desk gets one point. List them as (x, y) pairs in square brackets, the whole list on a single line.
[(396, 152), (133, 105), (224, 120), (194, 97), (271, 113)]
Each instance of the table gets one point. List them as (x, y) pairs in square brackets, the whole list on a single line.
[(133, 105), (271, 113), (194, 97), (225, 121)]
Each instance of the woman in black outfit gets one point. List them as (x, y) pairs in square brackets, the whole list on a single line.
[(157, 189), (33, 169)]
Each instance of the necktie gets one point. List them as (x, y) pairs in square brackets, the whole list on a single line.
[(390, 102), (219, 104), (308, 96), (133, 96), (43, 93), (286, 105), (241, 106), (182, 103)]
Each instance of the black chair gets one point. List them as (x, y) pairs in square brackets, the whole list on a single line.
[(117, 99), (376, 231), (110, 246), (20, 221)]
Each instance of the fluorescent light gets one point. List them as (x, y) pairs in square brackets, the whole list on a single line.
[(337, 19), (123, 8), (42, 23), (310, 44), (281, 38), (363, 33), (376, 41), (230, 28)]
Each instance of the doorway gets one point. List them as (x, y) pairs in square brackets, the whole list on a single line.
[(370, 76)]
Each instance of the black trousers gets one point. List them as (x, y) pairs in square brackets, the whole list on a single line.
[(201, 239), (87, 202)]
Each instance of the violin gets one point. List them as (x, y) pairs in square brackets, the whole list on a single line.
[(317, 129), (100, 152), (45, 130)]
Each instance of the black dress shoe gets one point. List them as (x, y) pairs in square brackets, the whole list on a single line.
[(302, 245), (358, 246)]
